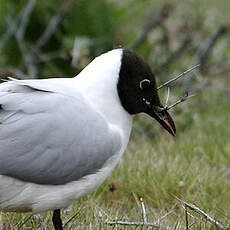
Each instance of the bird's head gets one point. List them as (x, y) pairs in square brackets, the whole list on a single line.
[(137, 90)]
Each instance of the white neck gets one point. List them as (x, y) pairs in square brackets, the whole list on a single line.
[(98, 82)]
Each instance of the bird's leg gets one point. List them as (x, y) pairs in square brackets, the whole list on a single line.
[(57, 222)]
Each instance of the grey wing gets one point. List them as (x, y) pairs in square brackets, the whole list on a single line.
[(51, 138)]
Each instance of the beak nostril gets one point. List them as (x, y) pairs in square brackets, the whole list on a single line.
[(146, 102)]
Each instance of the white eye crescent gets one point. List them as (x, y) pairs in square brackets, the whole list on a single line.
[(144, 84)]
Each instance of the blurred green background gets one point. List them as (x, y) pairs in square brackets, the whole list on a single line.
[(43, 39), (58, 38)]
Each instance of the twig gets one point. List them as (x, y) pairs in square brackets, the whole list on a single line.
[(18, 28), (28, 58), (173, 56), (144, 216), (153, 225), (189, 214), (179, 101), (179, 76), (164, 13), (159, 109), (144, 223), (201, 212), (49, 56), (54, 22), (19, 34), (184, 98), (49, 31), (18, 73), (163, 217), (25, 18), (205, 52), (12, 28)]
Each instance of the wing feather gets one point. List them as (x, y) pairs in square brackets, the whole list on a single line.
[(51, 137)]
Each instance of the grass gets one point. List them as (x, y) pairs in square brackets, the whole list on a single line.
[(193, 166)]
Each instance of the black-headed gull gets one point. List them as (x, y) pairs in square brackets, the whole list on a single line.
[(61, 138)]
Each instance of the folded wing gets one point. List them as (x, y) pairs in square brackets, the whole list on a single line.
[(51, 136)]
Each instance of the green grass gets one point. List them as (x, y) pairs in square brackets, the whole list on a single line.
[(193, 166)]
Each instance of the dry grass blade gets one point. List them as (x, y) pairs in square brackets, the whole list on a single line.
[(143, 210), (167, 98), (165, 215), (177, 77), (138, 224), (25, 221), (70, 219), (201, 212), (144, 223)]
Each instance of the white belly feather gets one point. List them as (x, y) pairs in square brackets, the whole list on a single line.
[(19, 196)]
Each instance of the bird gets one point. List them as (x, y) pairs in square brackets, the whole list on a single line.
[(60, 138)]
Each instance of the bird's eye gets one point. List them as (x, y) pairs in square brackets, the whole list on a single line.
[(144, 84)]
